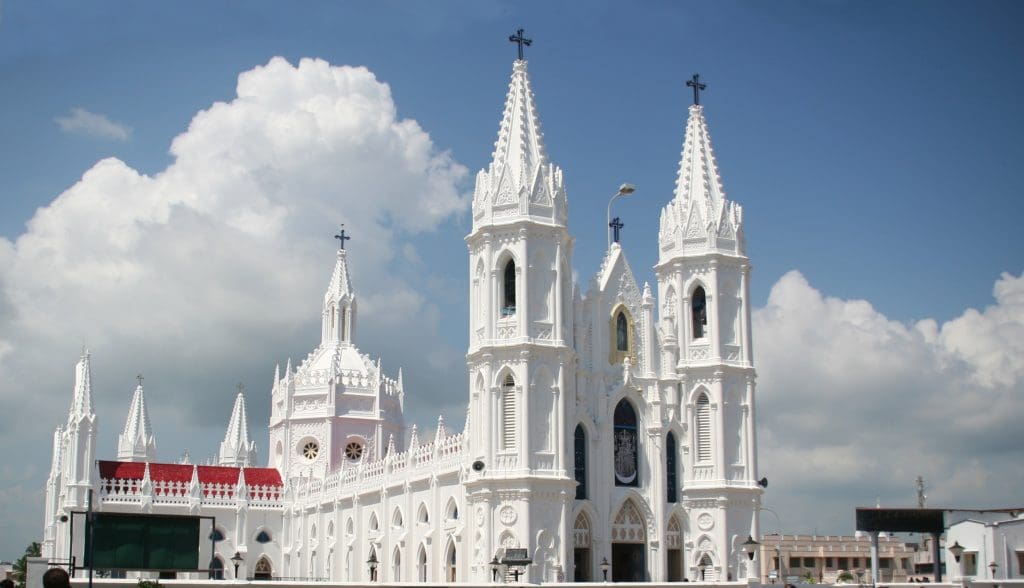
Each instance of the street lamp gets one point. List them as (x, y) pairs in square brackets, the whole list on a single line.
[(701, 567), (778, 543), (992, 568), (372, 562), (957, 550), (750, 546), (624, 190), (495, 564), (237, 559), (860, 576), (604, 567)]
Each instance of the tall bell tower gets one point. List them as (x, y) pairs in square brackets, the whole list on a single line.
[(704, 292), (519, 357)]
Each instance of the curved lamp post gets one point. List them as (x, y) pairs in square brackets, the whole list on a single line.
[(495, 564), (957, 550), (372, 562), (624, 190), (237, 559)]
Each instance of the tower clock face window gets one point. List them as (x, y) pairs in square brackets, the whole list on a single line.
[(310, 449), (354, 450)]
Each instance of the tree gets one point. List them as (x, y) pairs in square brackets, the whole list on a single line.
[(21, 566)]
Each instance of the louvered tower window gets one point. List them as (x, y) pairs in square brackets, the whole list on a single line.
[(671, 488), (508, 413), (699, 307), (508, 303), (702, 420)]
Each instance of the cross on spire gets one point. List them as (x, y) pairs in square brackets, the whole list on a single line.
[(241, 387), (342, 237), (520, 40), (139, 378), (697, 86), (616, 226)]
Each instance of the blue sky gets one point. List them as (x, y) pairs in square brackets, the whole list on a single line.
[(874, 146), (859, 129)]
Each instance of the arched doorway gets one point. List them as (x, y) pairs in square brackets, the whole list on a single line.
[(396, 565), (629, 539), (674, 550), (706, 569), (451, 563), (581, 542), (421, 564), (217, 568), (263, 571)]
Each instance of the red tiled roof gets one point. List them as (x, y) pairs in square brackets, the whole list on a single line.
[(173, 472)]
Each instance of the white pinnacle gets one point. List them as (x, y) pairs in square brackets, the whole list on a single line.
[(520, 178), (699, 217), (136, 442), (340, 285), (81, 402), (237, 450)]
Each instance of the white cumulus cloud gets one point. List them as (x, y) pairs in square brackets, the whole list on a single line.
[(214, 268), (853, 405), (82, 121)]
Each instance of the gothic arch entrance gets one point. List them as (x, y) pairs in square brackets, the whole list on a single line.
[(263, 570), (674, 550), (629, 540), (581, 542)]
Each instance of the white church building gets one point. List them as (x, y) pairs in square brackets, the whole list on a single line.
[(607, 422)]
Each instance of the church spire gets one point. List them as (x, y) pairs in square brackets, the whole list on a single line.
[(339, 310), (699, 217), (81, 401), (236, 449), (520, 179), (136, 442)]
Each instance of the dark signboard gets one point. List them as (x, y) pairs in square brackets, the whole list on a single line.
[(901, 520), (516, 557), (144, 542)]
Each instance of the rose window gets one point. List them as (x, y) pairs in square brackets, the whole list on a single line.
[(310, 450), (354, 450)]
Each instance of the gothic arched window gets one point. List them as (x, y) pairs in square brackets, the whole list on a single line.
[(508, 413), (263, 571), (580, 462), (699, 307), (671, 489), (621, 332), (626, 446), (702, 426), (508, 303)]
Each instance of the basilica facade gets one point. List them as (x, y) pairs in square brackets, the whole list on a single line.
[(609, 426)]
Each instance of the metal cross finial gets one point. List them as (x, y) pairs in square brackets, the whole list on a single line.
[(241, 387), (342, 237), (697, 87), (139, 378), (519, 39), (616, 226)]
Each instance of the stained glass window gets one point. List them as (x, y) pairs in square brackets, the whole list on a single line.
[(671, 490), (626, 448), (580, 462)]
